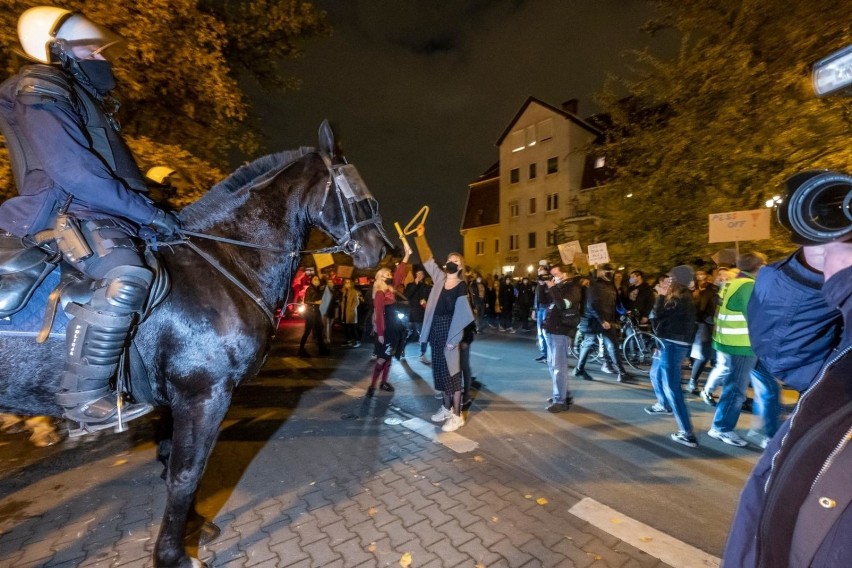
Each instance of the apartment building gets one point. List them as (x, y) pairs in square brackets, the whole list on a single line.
[(540, 180)]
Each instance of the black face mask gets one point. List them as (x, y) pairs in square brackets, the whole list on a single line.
[(389, 281), (451, 267), (99, 74)]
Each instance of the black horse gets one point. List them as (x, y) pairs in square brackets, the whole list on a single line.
[(215, 327)]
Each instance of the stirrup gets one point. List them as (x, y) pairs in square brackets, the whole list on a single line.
[(107, 415)]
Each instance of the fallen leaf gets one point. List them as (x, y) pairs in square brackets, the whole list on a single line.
[(527, 496), (405, 561), (119, 462), (646, 538), (372, 547), (478, 459), (479, 565), (615, 521), (541, 501), (372, 511), (494, 519)]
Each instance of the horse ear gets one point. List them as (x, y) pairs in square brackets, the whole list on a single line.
[(326, 138)]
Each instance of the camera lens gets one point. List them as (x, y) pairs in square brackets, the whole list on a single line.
[(820, 209)]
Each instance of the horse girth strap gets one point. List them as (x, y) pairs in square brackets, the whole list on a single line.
[(218, 266)]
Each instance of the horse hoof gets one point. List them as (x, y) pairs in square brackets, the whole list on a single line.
[(209, 533)]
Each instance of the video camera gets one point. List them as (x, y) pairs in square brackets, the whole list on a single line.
[(818, 208)]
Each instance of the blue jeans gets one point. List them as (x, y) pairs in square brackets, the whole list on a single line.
[(557, 364), (734, 371), (541, 336), (767, 395), (665, 378)]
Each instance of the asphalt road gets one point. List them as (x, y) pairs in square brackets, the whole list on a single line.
[(605, 447)]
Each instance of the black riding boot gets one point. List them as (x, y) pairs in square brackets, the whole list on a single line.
[(95, 340), (580, 369)]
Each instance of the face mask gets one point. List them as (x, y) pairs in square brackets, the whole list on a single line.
[(99, 74), (451, 267), (389, 281), (479, 279), (632, 281)]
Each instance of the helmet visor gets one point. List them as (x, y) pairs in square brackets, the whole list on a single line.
[(89, 40)]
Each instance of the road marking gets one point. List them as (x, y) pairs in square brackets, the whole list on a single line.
[(474, 353), (455, 442), (658, 544)]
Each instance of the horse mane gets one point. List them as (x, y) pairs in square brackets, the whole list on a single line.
[(220, 201)]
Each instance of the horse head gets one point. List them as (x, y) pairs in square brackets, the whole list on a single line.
[(354, 223)]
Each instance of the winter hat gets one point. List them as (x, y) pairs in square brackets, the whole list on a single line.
[(683, 275)]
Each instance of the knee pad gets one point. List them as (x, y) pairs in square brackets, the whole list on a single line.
[(125, 289)]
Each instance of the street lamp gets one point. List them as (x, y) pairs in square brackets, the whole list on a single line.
[(774, 202)]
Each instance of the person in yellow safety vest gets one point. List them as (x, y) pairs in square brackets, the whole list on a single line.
[(735, 360)]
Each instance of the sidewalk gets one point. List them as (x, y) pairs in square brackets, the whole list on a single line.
[(307, 473)]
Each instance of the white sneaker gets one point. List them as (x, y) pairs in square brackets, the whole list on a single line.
[(453, 423), (424, 360), (442, 414), (731, 438)]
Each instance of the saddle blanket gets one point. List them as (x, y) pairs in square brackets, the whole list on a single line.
[(30, 319)]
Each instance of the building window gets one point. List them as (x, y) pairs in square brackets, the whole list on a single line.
[(513, 209), (545, 129), (532, 171), (496, 246), (514, 242), (516, 140), (532, 205), (531, 135), (600, 162), (515, 175), (551, 238), (552, 165), (480, 248), (553, 202), (531, 240)]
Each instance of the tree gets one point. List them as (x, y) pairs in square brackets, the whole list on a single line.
[(182, 101), (719, 127)]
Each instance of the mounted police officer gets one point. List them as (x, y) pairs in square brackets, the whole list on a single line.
[(80, 187)]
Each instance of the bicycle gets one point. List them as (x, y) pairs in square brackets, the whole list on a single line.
[(638, 346)]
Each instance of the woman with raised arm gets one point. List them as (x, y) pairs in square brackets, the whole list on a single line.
[(385, 322), (448, 312)]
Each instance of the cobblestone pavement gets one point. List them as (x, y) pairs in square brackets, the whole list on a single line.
[(307, 473)]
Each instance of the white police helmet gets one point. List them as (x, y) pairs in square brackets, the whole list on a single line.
[(38, 27)]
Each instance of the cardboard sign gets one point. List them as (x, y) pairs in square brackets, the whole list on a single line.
[(598, 254), (568, 250), (322, 260), (345, 271), (739, 226)]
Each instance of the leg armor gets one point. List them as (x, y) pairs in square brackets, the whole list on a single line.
[(96, 338)]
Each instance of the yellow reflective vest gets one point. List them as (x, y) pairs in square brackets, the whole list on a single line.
[(730, 333)]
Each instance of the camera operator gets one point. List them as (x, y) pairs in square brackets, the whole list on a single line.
[(796, 508)]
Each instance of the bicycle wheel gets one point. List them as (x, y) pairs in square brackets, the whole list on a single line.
[(638, 349), (594, 355)]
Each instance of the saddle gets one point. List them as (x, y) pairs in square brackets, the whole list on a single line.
[(25, 267)]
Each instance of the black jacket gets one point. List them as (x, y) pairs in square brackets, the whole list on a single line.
[(675, 319), (600, 306)]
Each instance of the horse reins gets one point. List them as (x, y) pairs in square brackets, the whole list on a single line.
[(349, 246)]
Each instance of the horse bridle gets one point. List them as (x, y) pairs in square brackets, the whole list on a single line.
[(343, 174)]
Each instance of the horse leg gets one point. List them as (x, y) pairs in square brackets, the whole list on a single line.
[(196, 426)]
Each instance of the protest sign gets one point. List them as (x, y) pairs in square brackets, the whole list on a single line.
[(568, 250), (598, 254), (735, 226)]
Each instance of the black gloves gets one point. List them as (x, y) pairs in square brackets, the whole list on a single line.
[(166, 223)]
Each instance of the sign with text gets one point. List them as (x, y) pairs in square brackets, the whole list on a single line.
[(739, 226), (568, 250), (598, 254), (345, 271), (322, 260)]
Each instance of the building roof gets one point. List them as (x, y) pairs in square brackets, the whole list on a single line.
[(568, 115), (483, 200)]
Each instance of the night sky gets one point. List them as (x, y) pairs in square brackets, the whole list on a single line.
[(420, 90)]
